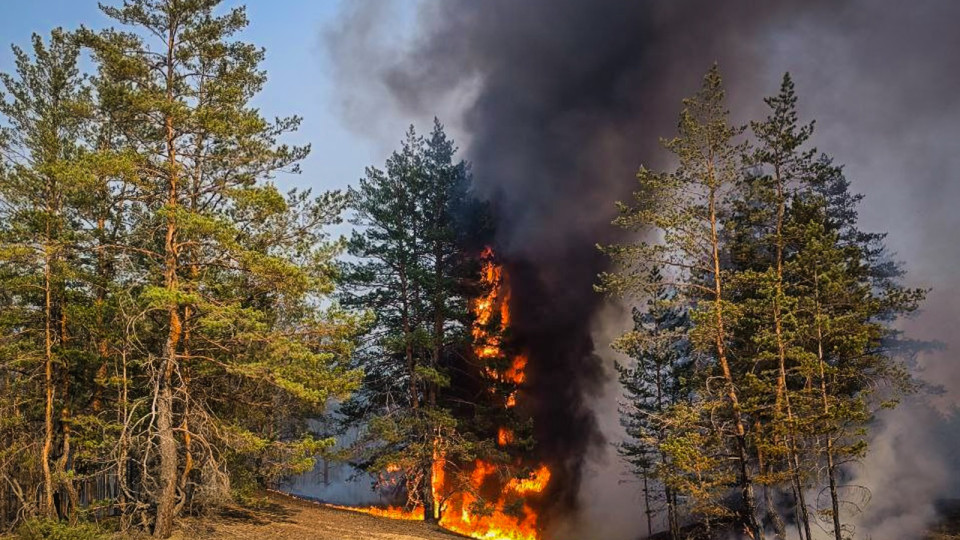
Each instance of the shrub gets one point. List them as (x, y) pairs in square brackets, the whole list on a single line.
[(51, 529)]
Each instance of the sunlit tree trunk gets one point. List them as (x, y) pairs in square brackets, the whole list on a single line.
[(166, 499)]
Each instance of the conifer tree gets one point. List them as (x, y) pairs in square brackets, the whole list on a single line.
[(849, 292), (804, 314), (233, 266), (394, 279), (654, 383), (42, 106), (688, 209), (414, 271), (760, 247)]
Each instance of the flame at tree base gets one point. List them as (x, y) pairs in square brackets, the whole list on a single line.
[(507, 515), (490, 506), (510, 517)]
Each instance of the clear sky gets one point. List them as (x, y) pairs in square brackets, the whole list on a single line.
[(299, 80)]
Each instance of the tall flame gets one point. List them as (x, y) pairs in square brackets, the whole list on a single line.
[(508, 516)]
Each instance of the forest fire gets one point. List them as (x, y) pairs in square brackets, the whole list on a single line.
[(507, 515), (511, 517), (491, 504)]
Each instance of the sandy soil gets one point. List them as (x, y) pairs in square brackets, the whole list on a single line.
[(288, 518)]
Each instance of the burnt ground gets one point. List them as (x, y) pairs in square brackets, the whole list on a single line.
[(287, 518)]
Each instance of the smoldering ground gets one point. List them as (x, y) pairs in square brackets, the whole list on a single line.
[(557, 102)]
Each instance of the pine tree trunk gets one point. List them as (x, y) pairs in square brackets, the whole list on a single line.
[(779, 528), (64, 467), (185, 425), (168, 447), (672, 517), (782, 397), (123, 444), (802, 511), (408, 342), (65, 463), (746, 484), (432, 509), (646, 504), (831, 466), (47, 506), (834, 496), (103, 345), (166, 500), (438, 333), (668, 494), (429, 507)]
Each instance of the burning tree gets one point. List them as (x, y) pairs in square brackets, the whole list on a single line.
[(442, 375)]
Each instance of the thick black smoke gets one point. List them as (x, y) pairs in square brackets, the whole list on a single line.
[(571, 96), (560, 101)]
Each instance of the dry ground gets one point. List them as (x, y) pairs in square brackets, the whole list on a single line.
[(287, 518)]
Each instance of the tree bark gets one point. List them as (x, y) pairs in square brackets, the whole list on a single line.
[(647, 509), (47, 506), (831, 465), (746, 485), (166, 499), (783, 397)]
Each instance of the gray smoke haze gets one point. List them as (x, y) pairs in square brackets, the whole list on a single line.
[(557, 102)]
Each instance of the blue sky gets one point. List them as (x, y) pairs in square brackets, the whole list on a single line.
[(299, 75)]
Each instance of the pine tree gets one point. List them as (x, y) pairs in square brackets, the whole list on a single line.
[(393, 280), (760, 248), (43, 109), (849, 291), (688, 208), (415, 268), (654, 383), (235, 267)]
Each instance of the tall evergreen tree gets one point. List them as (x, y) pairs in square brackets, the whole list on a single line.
[(414, 270), (803, 315), (233, 266), (849, 292), (760, 247), (654, 383), (43, 108), (688, 209)]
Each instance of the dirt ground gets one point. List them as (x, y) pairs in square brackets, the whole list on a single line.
[(287, 518)]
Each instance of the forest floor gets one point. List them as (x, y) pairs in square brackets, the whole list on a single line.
[(289, 518)]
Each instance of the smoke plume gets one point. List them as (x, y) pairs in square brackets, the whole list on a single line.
[(559, 101)]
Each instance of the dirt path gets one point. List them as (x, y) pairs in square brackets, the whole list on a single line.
[(288, 518)]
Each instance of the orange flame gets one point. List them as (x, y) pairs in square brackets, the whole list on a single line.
[(391, 512), (505, 521), (504, 436), (507, 515)]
